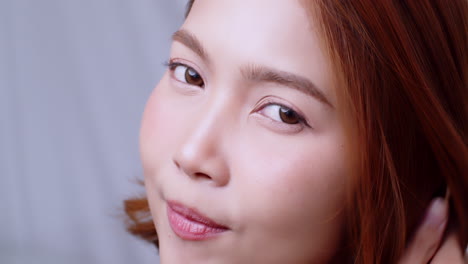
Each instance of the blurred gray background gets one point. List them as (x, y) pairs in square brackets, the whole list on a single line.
[(74, 78)]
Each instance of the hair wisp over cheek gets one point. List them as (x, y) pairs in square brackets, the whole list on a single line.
[(139, 221)]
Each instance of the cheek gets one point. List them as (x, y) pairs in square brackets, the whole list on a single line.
[(158, 130), (295, 193), (307, 182)]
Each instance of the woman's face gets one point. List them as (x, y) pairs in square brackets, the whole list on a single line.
[(242, 148)]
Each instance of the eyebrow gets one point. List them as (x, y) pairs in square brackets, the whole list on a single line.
[(258, 73), (190, 41)]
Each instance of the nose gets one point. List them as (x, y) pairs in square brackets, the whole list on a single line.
[(201, 155)]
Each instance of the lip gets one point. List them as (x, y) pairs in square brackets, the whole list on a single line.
[(189, 224)]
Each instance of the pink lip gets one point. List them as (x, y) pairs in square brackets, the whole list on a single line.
[(189, 224)]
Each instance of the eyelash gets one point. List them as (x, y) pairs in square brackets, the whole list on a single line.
[(172, 65), (270, 102)]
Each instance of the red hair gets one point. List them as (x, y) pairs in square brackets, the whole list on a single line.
[(402, 78), (401, 70)]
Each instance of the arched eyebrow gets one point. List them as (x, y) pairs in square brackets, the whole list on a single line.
[(191, 41), (257, 73)]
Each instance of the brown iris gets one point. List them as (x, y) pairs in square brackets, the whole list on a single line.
[(192, 77), (288, 116)]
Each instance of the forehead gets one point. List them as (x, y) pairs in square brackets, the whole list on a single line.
[(261, 25), (267, 30)]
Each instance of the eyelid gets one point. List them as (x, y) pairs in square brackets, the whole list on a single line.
[(174, 62), (269, 101)]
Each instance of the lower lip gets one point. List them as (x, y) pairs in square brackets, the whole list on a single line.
[(188, 229)]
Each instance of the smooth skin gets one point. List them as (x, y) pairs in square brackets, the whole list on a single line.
[(244, 128)]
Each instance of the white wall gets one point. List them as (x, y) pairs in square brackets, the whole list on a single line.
[(74, 77)]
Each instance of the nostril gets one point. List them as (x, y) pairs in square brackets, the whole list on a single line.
[(177, 164), (191, 171), (201, 175)]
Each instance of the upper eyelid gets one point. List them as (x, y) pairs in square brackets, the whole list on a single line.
[(175, 64), (279, 125), (180, 62), (272, 102)]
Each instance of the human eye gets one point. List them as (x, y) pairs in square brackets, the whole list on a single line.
[(185, 74), (282, 115)]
